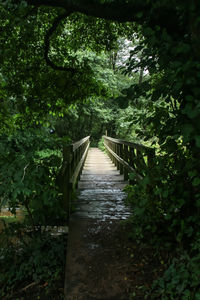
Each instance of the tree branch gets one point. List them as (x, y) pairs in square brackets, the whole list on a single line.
[(121, 11), (49, 33), (116, 11)]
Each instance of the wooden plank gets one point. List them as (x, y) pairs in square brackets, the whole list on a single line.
[(100, 203), (76, 145), (102, 177)]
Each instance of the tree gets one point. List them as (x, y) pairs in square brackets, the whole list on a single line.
[(40, 95)]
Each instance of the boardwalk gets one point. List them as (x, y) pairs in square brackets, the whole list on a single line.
[(100, 203)]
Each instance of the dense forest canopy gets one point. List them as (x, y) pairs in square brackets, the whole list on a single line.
[(75, 68)]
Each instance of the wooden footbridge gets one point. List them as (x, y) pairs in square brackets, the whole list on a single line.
[(99, 179)]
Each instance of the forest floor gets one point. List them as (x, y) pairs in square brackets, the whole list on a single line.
[(28, 288)]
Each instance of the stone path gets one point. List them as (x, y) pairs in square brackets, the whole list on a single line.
[(100, 203)]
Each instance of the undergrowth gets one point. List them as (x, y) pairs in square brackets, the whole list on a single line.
[(151, 224), (32, 264)]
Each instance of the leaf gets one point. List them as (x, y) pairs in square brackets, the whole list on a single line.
[(196, 181)]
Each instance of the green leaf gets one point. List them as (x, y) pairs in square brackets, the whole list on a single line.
[(140, 14), (196, 181)]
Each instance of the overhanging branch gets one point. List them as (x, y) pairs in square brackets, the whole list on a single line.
[(121, 11), (115, 11), (49, 33)]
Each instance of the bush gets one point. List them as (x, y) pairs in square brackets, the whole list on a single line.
[(29, 163), (101, 145), (38, 259), (180, 280)]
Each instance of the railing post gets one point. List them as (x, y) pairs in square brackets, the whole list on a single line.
[(132, 154), (117, 152), (111, 145), (114, 149), (73, 158), (120, 154), (63, 179), (80, 153), (125, 158), (130, 157)]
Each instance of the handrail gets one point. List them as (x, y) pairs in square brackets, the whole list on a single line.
[(76, 145), (130, 157), (80, 150), (130, 144), (74, 157)]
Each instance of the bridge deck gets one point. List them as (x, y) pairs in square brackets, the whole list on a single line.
[(100, 203)]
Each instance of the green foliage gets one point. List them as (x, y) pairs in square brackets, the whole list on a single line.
[(31, 84), (181, 279), (89, 118), (160, 200), (101, 145), (37, 260), (29, 163), (147, 219), (89, 33), (166, 112)]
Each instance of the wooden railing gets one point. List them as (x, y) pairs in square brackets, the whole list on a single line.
[(130, 157), (74, 157)]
